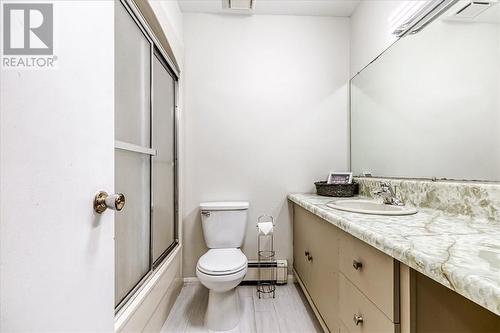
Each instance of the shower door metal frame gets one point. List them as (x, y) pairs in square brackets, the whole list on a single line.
[(156, 50)]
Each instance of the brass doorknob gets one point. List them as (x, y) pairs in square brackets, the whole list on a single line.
[(103, 201)]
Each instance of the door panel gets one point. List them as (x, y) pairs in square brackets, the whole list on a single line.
[(56, 152), (163, 186)]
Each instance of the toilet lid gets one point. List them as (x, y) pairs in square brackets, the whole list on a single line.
[(222, 261)]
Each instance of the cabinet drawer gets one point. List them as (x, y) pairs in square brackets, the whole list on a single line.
[(354, 303), (373, 272)]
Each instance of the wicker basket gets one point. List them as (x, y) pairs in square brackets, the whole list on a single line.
[(336, 190)]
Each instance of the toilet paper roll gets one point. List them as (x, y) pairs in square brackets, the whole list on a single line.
[(265, 228)]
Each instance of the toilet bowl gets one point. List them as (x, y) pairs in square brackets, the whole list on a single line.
[(221, 270), (223, 266)]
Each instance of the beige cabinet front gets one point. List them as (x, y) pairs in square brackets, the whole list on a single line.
[(316, 263), (301, 242), (358, 314), (323, 260), (373, 272), (324, 271)]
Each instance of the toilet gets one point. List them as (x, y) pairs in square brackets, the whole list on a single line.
[(224, 266)]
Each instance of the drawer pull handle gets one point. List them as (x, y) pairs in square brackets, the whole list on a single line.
[(358, 319), (357, 264), (309, 257), (306, 253)]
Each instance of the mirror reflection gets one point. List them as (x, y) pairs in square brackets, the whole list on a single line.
[(429, 106)]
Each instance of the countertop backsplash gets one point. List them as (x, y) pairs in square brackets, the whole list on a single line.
[(474, 199)]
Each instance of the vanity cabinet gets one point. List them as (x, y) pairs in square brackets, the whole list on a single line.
[(335, 268), (355, 288)]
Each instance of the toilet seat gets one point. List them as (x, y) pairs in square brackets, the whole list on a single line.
[(218, 262)]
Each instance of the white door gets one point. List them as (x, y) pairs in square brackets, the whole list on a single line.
[(56, 151)]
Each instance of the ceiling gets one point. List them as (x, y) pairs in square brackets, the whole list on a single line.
[(343, 8)]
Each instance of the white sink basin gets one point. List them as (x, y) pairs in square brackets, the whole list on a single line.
[(370, 207)]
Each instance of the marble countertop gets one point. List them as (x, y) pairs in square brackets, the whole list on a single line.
[(460, 252)]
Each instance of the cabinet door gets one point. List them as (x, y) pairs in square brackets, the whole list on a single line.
[(301, 240), (324, 270)]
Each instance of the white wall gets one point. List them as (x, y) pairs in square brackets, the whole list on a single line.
[(56, 152), (170, 17), (371, 31), (266, 114)]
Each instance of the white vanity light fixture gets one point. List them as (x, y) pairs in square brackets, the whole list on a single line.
[(239, 5), (423, 17), (402, 16)]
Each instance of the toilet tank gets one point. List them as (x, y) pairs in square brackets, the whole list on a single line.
[(224, 223)]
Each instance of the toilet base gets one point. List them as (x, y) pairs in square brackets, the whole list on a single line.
[(223, 310)]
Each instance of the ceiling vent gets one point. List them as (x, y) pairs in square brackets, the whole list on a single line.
[(470, 10), (238, 5)]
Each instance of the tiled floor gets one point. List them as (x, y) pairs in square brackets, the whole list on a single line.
[(288, 312)]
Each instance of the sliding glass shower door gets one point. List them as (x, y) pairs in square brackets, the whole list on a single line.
[(132, 152), (145, 162), (164, 182)]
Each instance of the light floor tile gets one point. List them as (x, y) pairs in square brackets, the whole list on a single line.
[(246, 290), (178, 318), (247, 323), (264, 303), (288, 312), (266, 322)]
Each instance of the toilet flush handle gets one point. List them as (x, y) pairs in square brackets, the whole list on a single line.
[(205, 213)]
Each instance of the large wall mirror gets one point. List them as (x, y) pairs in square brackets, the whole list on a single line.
[(429, 106)]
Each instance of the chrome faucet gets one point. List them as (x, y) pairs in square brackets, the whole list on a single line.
[(388, 195)]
